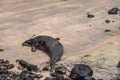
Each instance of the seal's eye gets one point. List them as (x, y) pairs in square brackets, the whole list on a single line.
[(42, 42), (37, 44), (29, 42)]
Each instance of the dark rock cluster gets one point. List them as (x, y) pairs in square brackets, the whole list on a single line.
[(6, 74), (5, 66), (29, 67), (29, 72), (78, 72)]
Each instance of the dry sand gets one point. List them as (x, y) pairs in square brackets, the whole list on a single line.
[(20, 19)]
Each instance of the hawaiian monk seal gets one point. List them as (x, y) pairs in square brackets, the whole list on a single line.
[(48, 44)]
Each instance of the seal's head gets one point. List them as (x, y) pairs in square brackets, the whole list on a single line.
[(31, 43), (28, 42)]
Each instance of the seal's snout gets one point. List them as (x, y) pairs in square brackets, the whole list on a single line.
[(25, 44)]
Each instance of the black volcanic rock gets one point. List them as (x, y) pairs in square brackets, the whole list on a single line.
[(29, 67), (107, 30), (107, 21), (80, 72), (114, 11), (90, 15)]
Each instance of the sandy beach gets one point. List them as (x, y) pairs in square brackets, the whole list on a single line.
[(80, 35)]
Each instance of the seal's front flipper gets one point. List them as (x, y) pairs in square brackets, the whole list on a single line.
[(33, 49)]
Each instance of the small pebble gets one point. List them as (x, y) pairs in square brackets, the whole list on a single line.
[(107, 21), (107, 30), (90, 15)]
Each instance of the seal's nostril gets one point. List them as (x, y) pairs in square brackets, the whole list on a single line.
[(23, 44)]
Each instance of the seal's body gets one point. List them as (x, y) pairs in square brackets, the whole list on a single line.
[(48, 44)]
